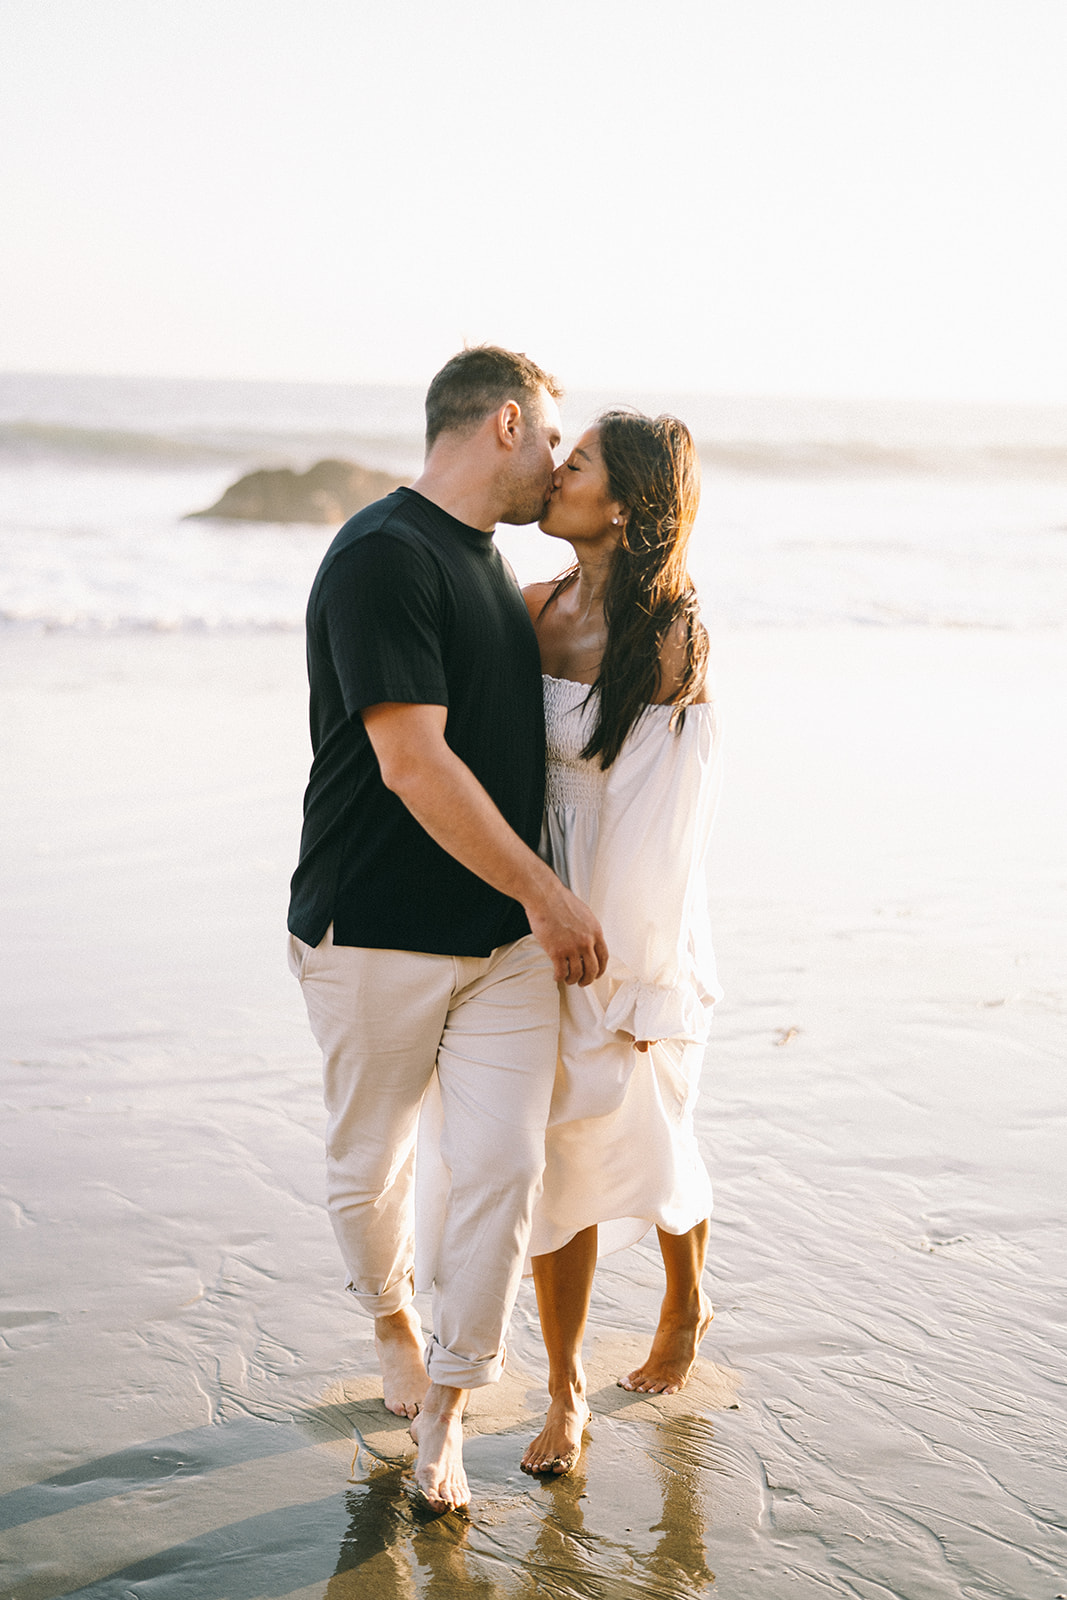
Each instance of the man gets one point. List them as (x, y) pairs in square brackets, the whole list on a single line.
[(425, 931)]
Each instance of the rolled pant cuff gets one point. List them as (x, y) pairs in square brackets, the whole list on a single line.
[(456, 1372), (393, 1298)]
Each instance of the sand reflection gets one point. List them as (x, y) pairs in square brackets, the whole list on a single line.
[(374, 1560), (631, 1521), (581, 1535), (681, 1551), (393, 1551)]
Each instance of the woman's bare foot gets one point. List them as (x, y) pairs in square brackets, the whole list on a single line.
[(673, 1353), (438, 1432), (399, 1343), (559, 1444)]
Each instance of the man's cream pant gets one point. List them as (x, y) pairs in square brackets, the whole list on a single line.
[(385, 1020)]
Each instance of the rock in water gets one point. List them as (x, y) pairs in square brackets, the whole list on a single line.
[(330, 491)]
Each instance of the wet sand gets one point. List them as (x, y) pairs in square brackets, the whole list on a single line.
[(189, 1403)]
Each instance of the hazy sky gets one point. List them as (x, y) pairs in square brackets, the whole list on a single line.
[(836, 197)]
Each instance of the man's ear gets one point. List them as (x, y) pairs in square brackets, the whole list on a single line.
[(508, 419)]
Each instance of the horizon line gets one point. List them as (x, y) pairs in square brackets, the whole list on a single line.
[(752, 396)]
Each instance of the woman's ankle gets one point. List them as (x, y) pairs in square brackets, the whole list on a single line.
[(570, 1389), (684, 1313)]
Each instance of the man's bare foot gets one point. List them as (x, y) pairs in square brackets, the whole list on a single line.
[(399, 1343), (673, 1353), (559, 1444), (438, 1432)]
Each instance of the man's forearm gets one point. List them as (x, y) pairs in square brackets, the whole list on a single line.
[(446, 799)]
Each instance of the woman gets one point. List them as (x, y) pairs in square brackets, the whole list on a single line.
[(632, 781)]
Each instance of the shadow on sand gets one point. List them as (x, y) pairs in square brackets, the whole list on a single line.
[(630, 1522)]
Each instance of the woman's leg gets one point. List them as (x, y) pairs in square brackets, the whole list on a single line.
[(564, 1284), (684, 1317)]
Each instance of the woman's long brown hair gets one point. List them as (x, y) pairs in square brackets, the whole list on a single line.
[(653, 471)]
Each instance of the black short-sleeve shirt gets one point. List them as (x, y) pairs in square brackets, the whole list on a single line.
[(411, 605)]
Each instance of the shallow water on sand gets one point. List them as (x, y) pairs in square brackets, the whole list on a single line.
[(186, 1391)]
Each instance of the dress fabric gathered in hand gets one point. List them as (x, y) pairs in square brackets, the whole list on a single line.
[(631, 841)]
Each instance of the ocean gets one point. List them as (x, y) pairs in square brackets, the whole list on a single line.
[(813, 512)]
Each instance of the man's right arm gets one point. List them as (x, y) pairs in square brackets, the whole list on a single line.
[(446, 799)]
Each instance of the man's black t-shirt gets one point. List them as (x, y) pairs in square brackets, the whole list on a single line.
[(411, 605)]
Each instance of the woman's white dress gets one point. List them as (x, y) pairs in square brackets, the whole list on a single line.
[(631, 842)]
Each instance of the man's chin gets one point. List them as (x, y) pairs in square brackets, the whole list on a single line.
[(527, 516)]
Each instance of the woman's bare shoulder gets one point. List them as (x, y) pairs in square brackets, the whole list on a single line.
[(537, 596), (672, 663)]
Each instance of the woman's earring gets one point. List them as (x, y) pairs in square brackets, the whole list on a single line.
[(614, 522)]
